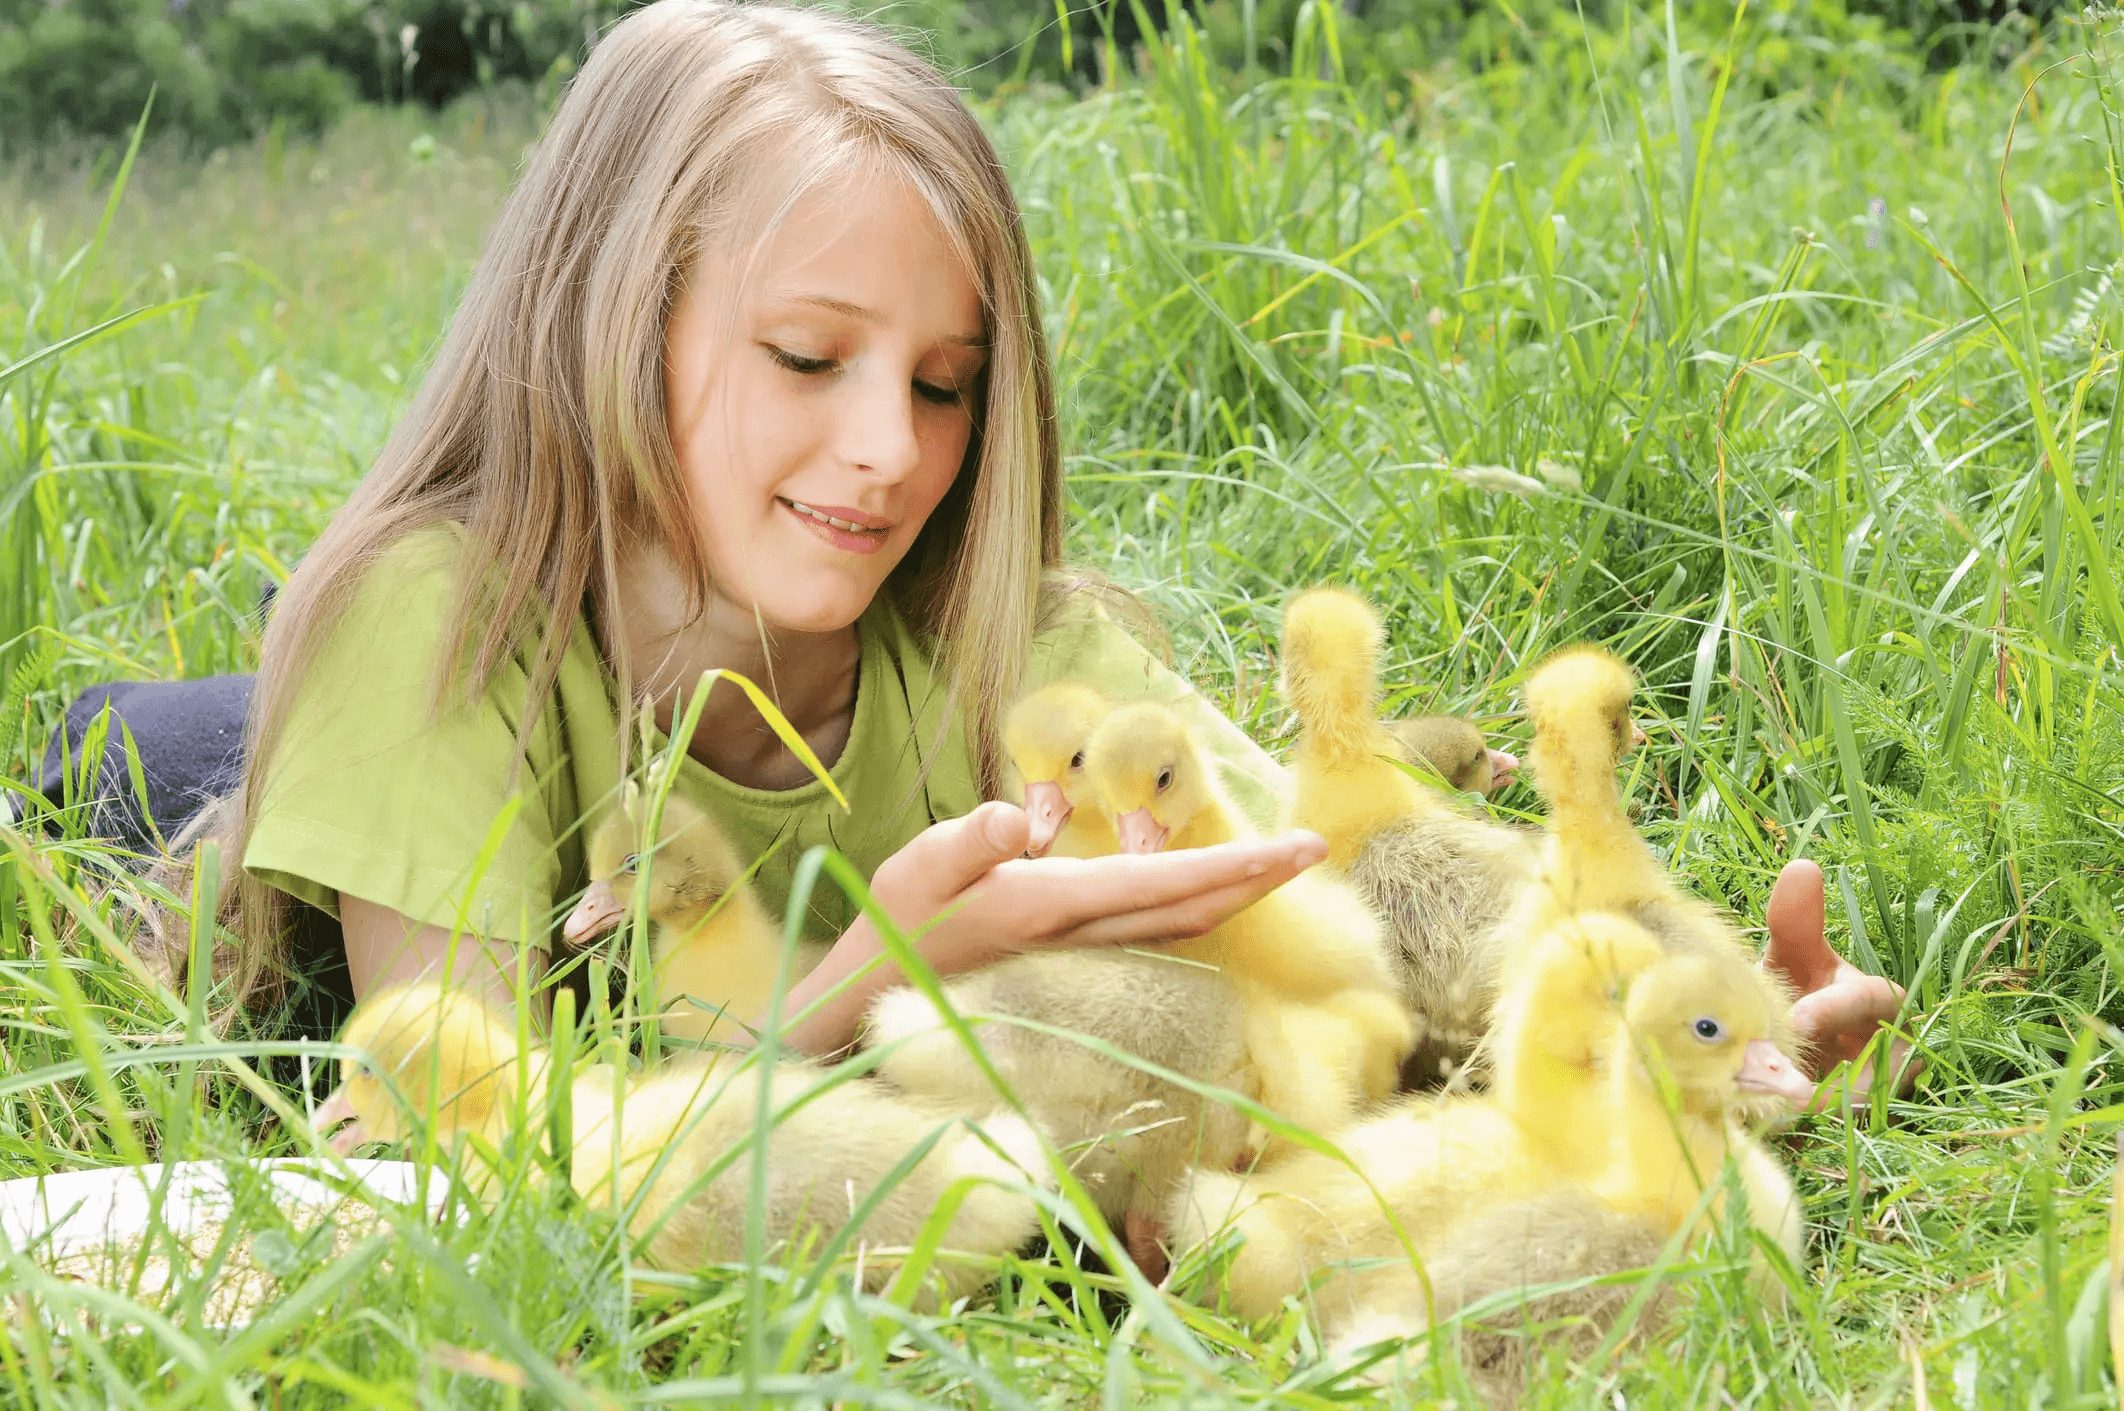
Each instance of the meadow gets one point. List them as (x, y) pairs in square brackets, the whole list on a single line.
[(1782, 362)]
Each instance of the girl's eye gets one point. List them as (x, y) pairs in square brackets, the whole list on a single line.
[(629, 863), (1709, 1030), (1076, 761), (797, 362), (942, 396), (1165, 778)]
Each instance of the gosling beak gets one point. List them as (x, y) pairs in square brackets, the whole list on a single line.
[(1504, 768), (1049, 809), (1637, 735), (598, 912), (1140, 833), (1765, 1069)]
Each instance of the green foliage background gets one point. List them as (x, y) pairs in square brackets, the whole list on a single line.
[(227, 69), (1777, 350)]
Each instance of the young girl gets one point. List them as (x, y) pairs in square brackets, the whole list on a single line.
[(751, 376)]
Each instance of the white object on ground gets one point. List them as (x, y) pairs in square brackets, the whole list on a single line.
[(81, 1224)]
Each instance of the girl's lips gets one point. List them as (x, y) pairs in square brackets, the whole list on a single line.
[(865, 540)]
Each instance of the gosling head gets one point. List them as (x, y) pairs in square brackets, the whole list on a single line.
[(1148, 773), (1704, 1020), (1579, 699), (437, 1053), (689, 865), (1458, 751), (1045, 735)]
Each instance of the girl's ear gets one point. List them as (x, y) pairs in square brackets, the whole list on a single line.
[(631, 800)]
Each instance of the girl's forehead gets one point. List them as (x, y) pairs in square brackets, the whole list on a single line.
[(857, 247)]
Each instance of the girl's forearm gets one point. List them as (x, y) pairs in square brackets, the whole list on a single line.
[(832, 1027)]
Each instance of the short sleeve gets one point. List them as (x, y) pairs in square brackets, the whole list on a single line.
[(368, 793), (1086, 644)]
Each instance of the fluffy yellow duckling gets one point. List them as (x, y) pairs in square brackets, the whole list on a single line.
[(1441, 876), (1044, 735), (1594, 858), (1324, 1028), (1457, 750), (1129, 1136), (1679, 1068), (1694, 1048), (716, 950), (664, 1150), (442, 1044), (1652, 1102)]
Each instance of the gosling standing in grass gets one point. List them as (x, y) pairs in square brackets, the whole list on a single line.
[(1593, 857), (1438, 874), (1679, 1070), (1693, 1029), (717, 955)]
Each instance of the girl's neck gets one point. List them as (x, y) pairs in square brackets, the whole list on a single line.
[(811, 677)]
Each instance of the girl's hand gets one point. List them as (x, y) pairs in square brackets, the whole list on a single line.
[(1840, 1007), (969, 897)]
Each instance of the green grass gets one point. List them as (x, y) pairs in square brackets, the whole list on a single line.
[(1816, 383)]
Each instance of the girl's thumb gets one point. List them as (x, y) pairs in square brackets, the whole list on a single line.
[(968, 847)]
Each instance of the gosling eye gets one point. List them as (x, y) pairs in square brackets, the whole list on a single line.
[(629, 863), (1165, 778), (1076, 761), (1708, 1029)]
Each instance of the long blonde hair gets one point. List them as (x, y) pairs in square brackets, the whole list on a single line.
[(541, 426)]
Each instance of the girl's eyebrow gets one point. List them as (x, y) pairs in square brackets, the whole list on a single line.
[(869, 315)]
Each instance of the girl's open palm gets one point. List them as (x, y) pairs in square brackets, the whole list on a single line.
[(973, 896)]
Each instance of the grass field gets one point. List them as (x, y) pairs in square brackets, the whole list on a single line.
[(1783, 364)]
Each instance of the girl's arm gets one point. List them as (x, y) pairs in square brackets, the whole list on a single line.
[(968, 877), (387, 948)]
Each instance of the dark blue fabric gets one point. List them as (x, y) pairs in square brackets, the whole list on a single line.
[(188, 736)]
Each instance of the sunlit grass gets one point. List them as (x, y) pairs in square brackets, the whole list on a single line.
[(1812, 431)]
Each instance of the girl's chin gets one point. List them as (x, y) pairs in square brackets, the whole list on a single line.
[(815, 609)]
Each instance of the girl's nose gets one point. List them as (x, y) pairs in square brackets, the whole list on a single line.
[(880, 435)]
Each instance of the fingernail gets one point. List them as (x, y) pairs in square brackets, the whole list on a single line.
[(1255, 869)]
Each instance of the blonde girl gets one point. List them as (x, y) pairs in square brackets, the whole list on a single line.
[(750, 376)]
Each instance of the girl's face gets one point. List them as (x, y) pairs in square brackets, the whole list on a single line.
[(821, 412)]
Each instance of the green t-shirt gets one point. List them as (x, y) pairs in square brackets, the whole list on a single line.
[(368, 795)]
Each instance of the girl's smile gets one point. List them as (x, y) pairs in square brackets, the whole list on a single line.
[(844, 528)]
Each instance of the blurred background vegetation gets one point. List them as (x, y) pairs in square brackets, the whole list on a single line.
[(224, 70)]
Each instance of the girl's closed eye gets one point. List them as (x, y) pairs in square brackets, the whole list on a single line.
[(805, 366), (798, 362)]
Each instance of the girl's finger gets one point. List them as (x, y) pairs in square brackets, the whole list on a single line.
[(1167, 879), (1069, 892), (951, 856), (1798, 919), (1192, 913)]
